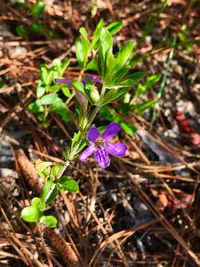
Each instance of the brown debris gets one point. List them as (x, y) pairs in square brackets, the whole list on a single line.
[(28, 171), (62, 247)]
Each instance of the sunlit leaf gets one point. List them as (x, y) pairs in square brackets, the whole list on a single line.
[(124, 54), (40, 91), (48, 99), (115, 27), (82, 49), (69, 184), (49, 221), (139, 108), (49, 192), (97, 34), (31, 214), (106, 42)]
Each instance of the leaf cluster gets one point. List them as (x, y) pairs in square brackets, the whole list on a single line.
[(129, 104), (51, 189), (47, 92)]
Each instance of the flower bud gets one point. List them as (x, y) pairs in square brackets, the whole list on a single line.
[(94, 95)]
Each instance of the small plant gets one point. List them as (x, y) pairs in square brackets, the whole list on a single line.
[(93, 93), (47, 91)]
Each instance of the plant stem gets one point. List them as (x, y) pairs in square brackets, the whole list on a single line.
[(74, 149), (103, 91)]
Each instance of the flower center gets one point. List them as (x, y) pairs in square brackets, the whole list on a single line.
[(100, 142)]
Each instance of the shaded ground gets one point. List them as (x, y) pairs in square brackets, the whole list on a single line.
[(144, 209)]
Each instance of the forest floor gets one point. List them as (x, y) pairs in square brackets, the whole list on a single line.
[(144, 209)]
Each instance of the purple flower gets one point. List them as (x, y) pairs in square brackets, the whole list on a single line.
[(64, 81), (93, 78), (101, 147)]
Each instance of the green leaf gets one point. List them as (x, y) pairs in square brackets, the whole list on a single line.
[(81, 146), (135, 77), (69, 184), (127, 98), (115, 92), (108, 70), (46, 75), (56, 63), (49, 99), (2, 84), (106, 42), (40, 91), (84, 34), (66, 91), (43, 74), (55, 170), (97, 34), (78, 86), (139, 108), (93, 9), (49, 221), (80, 95), (82, 50), (36, 201), (64, 65), (110, 114), (123, 108), (38, 9), (59, 67), (36, 27), (49, 192), (44, 30), (115, 27), (59, 107), (128, 128), (76, 138), (44, 170), (66, 153), (20, 30), (142, 88), (92, 65), (118, 76), (21, 3), (55, 88), (91, 91), (124, 55), (31, 214), (36, 106)]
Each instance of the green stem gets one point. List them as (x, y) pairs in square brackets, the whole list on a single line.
[(103, 91), (74, 149)]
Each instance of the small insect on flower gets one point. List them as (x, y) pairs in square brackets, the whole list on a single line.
[(101, 147)]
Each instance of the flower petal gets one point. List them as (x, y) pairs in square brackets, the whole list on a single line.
[(111, 130), (94, 79), (93, 134), (63, 81), (87, 152), (116, 149), (102, 158)]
